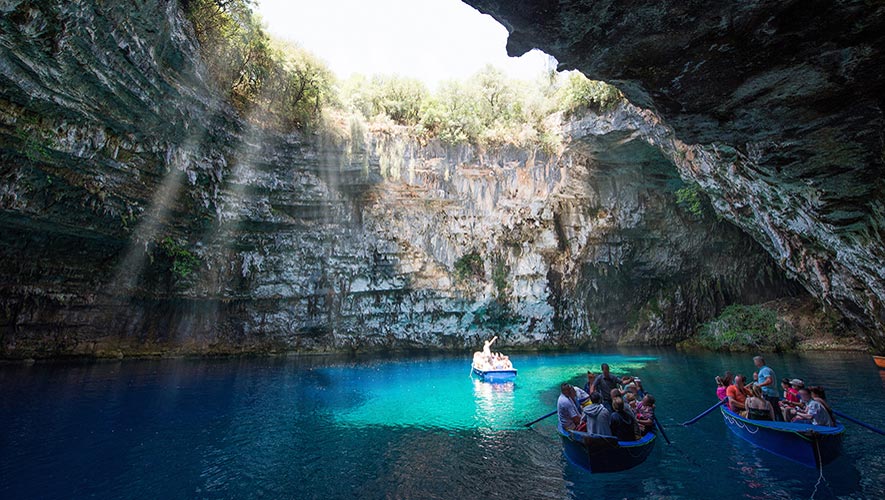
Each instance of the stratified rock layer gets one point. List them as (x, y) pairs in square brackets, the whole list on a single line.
[(139, 215), (784, 102)]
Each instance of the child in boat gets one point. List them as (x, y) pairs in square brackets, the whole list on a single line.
[(645, 413), (721, 388)]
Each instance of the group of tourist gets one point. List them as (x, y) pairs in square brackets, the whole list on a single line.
[(761, 400), (488, 360), (620, 407), (607, 406)]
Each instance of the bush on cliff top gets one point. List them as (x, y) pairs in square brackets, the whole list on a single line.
[(284, 86), (742, 328), (267, 81)]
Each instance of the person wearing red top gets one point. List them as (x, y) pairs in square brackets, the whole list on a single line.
[(791, 397), (737, 394), (791, 393)]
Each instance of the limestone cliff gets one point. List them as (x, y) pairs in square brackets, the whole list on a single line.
[(141, 215), (780, 104)]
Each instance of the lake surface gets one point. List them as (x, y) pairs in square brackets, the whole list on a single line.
[(415, 428)]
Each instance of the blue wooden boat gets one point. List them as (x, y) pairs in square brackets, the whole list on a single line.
[(495, 376), (806, 444), (596, 453)]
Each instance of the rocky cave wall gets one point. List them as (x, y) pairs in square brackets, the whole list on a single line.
[(117, 158), (777, 108)]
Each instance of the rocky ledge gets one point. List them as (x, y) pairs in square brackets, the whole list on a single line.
[(141, 216), (780, 104)]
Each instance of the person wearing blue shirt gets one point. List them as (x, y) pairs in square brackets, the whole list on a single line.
[(766, 383)]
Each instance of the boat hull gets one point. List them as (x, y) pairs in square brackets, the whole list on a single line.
[(599, 454), (806, 444), (880, 361), (495, 375)]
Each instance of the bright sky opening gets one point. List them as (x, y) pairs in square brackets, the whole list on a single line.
[(432, 40)]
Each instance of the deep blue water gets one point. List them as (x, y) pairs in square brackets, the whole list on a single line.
[(327, 427)]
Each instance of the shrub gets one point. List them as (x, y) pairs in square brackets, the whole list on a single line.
[(580, 92), (283, 86), (689, 197), (742, 327), (469, 265), (453, 114), (398, 98), (181, 262), (500, 278), (275, 83)]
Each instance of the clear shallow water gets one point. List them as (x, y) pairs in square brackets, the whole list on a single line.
[(394, 428)]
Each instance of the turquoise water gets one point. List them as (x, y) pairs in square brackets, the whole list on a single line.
[(327, 427)]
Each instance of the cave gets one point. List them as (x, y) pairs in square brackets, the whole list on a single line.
[(229, 271), (146, 213)]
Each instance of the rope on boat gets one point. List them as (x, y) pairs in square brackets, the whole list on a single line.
[(820, 466)]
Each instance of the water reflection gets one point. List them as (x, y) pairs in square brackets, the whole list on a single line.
[(397, 428), (494, 403)]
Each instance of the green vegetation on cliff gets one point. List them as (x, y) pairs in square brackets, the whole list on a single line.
[(177, 259), (469, 266), (267, 81), (283, 86), (689, 197), (742, 328)]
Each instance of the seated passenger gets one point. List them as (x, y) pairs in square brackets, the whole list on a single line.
[(567, 408), (737, 394), (795, 385), (630, 400), (640, 392), (588, 387), (758, 408), (622, 422), (721, 388), (816, 411), (791, 397), (645, 413), (597, 417)]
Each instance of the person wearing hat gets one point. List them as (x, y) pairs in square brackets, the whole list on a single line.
[(791, 397), (792, 392)]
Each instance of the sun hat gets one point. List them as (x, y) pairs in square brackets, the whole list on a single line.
[(798, 382)]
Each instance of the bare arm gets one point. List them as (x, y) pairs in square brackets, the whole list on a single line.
[(736, 404)]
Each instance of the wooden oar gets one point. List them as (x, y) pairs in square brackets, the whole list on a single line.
[(858, 422), (533, 422), (706, 412), (661, 428)]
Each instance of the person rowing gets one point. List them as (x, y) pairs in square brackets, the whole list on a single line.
[(568, 406)]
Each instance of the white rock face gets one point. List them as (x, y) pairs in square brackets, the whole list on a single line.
[(326, 242)]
